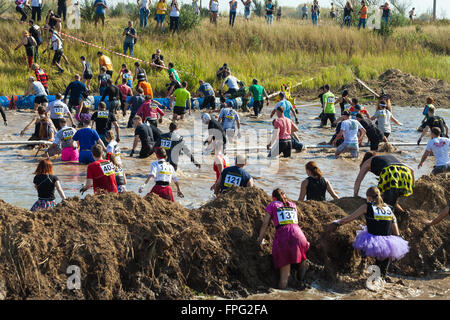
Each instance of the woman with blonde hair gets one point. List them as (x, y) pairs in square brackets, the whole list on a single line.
[(29, 43), (315, 186)]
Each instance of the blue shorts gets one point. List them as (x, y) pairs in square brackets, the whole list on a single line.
[(160, 18), (86, 157)]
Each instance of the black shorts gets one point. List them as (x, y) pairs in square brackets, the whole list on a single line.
[(146, 151), (285, 147), (387, 134), (40, 99), (57, 56), (87, 76), (56, 123), (179, 110), (325, 117), (209, 102), (391, 196)]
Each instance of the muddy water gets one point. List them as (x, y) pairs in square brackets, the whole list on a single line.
[(18, 165)]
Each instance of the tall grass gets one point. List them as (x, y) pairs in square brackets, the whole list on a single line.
[(289, 51)]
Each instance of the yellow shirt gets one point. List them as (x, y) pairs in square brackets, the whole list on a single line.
[(161, 8), (105, 61)]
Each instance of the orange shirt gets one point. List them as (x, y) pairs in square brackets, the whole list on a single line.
[(146, 87), (104, 61), (363, 14)]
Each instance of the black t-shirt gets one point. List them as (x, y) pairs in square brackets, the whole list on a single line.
[(113, 92), (373, 133), (161, 58), (435, 122), (46, 185), (35, 32), (213, 124), (316, 189), (379, 221), (378, 163), (103, 120), (52, 22), (145, 133)]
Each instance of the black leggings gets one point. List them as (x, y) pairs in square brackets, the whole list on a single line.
[(36, 13), (174, 22), (22, 12), (285, 147), (62, 11), (383, 265)]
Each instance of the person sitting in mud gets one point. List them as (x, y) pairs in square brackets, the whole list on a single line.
[(444, 213), (381, 237), (64, 144), (429, 104), (289, 243), (374, 134), (174, 145), (439, 147), (234, 176), (315, 186), (45, 183), (396, 179), (40, 113), (100, 174), (433, 122), (163, 173)]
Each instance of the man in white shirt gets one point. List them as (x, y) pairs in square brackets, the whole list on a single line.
[(163, 173), (40, 95), (57, 46), (57, 110), (231, 82), (349, 130), (439, 147), (229, 119)]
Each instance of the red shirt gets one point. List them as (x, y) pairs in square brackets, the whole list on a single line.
[(148, 111), (285, 125), (41, 76), (125, 91), (102, 173), (216, 169), (363, 111)]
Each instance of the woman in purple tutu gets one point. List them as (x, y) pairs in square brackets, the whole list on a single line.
[(289, 244), (376, 239)]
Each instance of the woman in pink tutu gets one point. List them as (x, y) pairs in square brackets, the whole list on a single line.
[(289, 244), (83, 109), (376, 239)]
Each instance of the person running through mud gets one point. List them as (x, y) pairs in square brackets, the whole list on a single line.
[(75, 90), (121, 178), (439, 147), (283, 128), (100, 174), (144, 133), (384, 117), (349, 130), (113, 145), (135, 103), (207, 90), (64, 144), (444, 213), (396, 179), (234, 176), (104, 120), (87, 138), (57, 110), (433, 122), (29, 43), (429, 104), (174, 145), (114, 96), (215, 131), (37, 89), (150, 111), (289, 243), (287, 107), (163, 173), (315, 186), (259, 93), (329, 111), (374, 134), (182, 98), (380, 238), (45, 183), (230, 121)]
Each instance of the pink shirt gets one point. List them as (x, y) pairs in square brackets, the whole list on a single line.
[(125, 91), (273, 207), (148, 111), (285, 126)]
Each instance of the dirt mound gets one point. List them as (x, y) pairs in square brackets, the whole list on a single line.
[(406, 89), (128, 247)]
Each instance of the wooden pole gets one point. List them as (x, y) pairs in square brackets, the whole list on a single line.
[(10, 143)]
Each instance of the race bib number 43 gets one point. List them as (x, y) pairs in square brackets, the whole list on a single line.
[(107, 168), (232, 180), (287, 215)]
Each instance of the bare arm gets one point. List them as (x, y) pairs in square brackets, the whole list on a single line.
[(135, 142), (396, 121), (263, 229), (89, 183), (250, 183), (60, 190), (424, 157), (116, 127), (444, 213), (331, 191), (394, 227), (218, 183), (303, 188), (359, 212), (362, 173), (28, 126)]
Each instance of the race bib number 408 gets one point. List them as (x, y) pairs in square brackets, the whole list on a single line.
[(232, 180), (107, 168), (287, 215)]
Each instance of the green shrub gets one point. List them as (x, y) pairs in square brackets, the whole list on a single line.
[(87, 10), (188, 19)]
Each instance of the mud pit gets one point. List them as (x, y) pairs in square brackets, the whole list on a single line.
[(133, 248)]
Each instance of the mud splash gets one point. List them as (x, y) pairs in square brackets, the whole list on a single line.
[(129, 247)]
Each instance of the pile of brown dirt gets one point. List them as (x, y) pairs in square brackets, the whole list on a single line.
[(128, 247), (406, 89)]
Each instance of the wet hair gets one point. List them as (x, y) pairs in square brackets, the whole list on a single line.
[(367, 155), (314, 169), (44, 167), (172, 126), (279, 194), (326, 87), (430, 100), (97, 151), (109, 135), (161, 153), (102, 104), (375, 194), (436, 131)]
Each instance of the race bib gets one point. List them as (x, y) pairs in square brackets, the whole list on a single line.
[(67, 134), (118, 171), (347, 106), (59, 111), (102, 114), (330, 99), (166, 144), (107, 168), (232, 180), (382, 214), (287, 215)]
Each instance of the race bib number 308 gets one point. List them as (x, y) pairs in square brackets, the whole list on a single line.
[(232, 180), (287, 215)]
